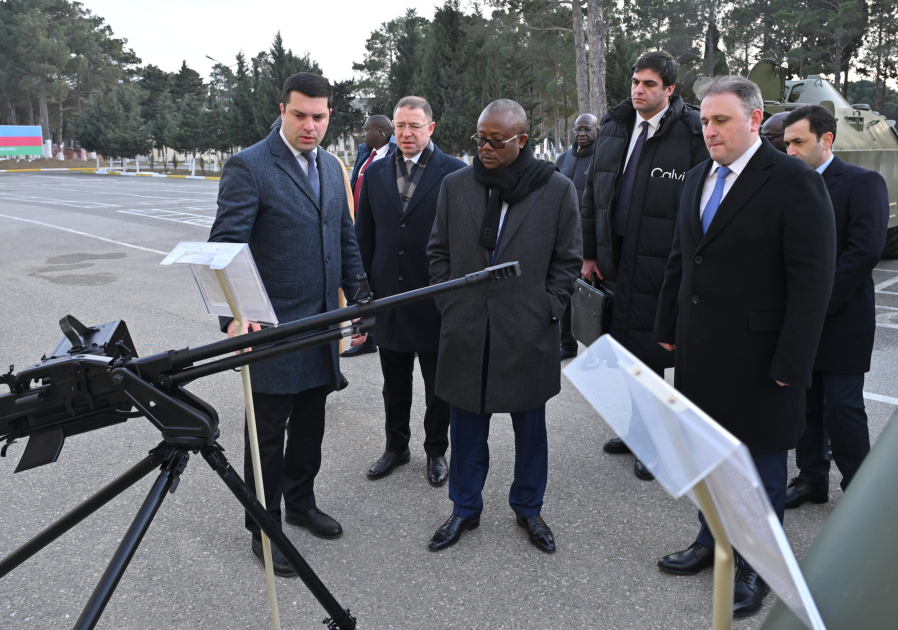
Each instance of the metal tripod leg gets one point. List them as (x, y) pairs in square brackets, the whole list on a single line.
[(340, 617), (91, 505), (176, 459)]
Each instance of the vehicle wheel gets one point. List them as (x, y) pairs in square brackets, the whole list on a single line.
[(891, 249)]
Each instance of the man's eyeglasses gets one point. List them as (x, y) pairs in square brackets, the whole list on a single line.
[(497, 144), (400, 127), (584, 129)]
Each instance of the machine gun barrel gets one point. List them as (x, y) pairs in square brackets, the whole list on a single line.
[(177, 364)]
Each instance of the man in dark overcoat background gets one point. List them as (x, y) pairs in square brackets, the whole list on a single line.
[(745, 293), (286, 197), (574, 164), (835, 402), (645, 146), (393, 225), (499, 344)]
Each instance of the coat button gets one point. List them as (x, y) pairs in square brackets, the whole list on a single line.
[(698, 260), (401, 252), (400, 277), (402, 225), (327, 259), (695, 299)]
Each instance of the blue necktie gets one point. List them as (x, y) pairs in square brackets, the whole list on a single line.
[(622, 209), (716, 196), (313, 174)]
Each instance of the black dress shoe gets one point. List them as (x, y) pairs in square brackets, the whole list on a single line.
[(450, 531), (437, 471), (615, 446), (641, 471), (281, 567), (801, 490), (689, 561), (387, 462), (363, 348), (568, 353), (318, 523), (748, 592), (539, 533)]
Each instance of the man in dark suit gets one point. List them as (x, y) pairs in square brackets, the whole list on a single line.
[(745, 293), (378, 144), (574, 164), (772, 129), (395, 215), (835, 402), (286, 197), (499, 344), (645, 146)]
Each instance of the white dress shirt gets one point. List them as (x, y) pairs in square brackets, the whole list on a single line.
[(380, 153), (303, 163), (823, 166), (637, 129), (737, 167)]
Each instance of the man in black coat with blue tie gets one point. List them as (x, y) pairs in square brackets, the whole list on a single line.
[(394, 217), (745, 293), (286, 198), (835, 402)]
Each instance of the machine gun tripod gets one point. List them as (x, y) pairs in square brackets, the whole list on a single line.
[(93, 379)]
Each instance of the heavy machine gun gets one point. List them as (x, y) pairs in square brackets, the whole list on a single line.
[(93, 379)]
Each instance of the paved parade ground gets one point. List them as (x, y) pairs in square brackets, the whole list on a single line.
[(90, 246)]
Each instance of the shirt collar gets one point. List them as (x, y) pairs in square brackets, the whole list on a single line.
[(383, 150), (823, 166), (654, 120), (739, 163), (293, 150)]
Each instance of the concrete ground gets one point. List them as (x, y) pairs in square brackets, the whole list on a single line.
[(90, 246)]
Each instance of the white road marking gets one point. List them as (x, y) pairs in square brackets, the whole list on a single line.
[(189, 218), (886, 283), (108, 240), (880, 398)]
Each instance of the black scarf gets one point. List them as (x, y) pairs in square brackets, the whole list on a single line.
[(510, 185)]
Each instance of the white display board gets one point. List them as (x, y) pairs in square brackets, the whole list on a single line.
[(681, 445), (236, 262)]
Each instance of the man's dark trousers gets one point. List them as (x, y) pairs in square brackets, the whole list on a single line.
[(773, 471), (302, 458), (835, 403), (398, 370), (468, 467)]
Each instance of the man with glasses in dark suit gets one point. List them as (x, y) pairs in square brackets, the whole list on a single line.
[(394, 217)]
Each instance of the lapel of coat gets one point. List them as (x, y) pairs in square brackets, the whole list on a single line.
[(388, 177), (832, 172), (475, 203), (516, 216), (695, 202), (432, 175), (749, 181), (287, 163)]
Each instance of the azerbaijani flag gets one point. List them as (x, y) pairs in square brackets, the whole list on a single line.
[(16, 140)]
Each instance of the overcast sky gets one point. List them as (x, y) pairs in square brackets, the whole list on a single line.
[(166, 32)]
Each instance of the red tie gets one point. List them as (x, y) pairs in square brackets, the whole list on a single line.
[(358, 182)]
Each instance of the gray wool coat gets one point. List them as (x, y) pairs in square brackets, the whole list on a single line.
[(305, 249), (542, 233)]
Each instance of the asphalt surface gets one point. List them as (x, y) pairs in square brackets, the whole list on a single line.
[(90, 246)]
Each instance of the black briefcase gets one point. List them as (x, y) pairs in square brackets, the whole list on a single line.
[(591, 306)]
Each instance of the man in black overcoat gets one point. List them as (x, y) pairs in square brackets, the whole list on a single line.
[(574, 164), (397, 206), (645, 146), (286, 197), (835, 402), (745, 293)]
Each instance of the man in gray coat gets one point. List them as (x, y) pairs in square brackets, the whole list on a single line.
[(499, 344), (286, 198)]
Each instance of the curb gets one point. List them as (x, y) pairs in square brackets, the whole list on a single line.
[(96, 172), (35, 170)]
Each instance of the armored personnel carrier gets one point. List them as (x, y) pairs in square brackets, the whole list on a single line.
[(863, 137)]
